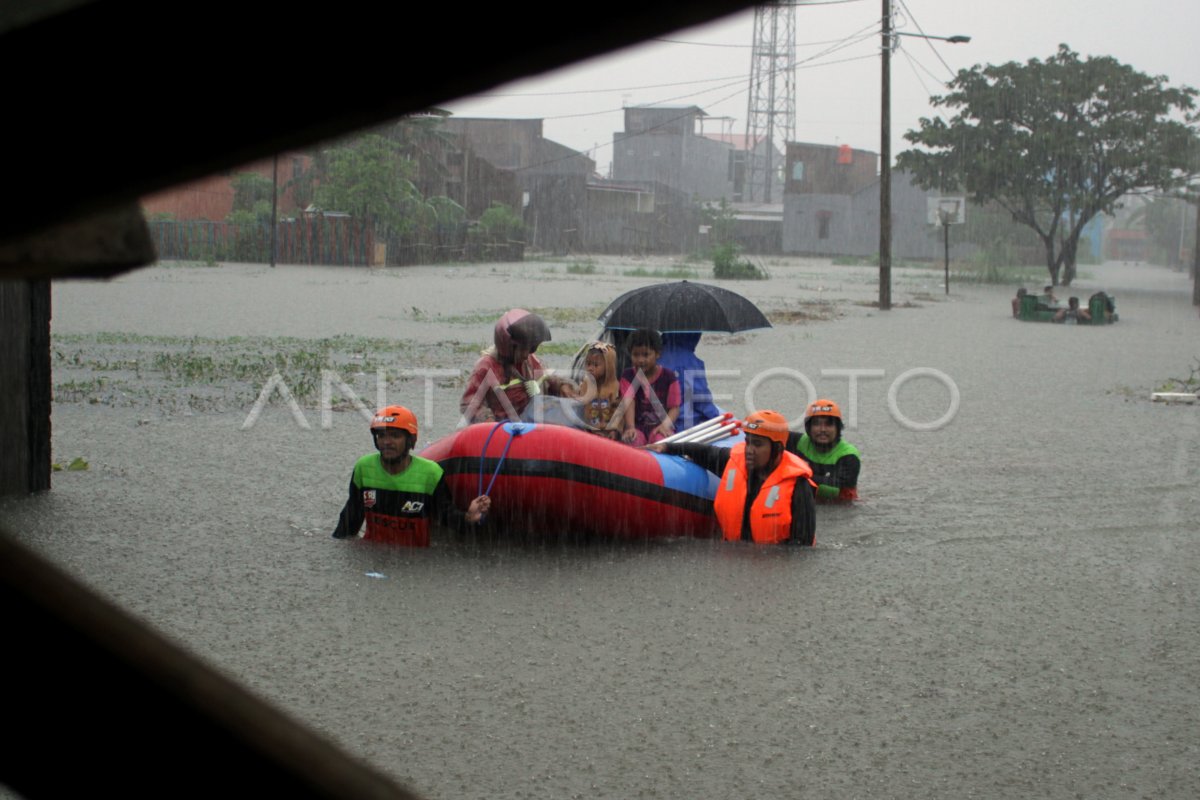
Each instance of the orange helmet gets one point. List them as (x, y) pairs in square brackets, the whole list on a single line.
[(823, 408), (395, 417), (768, 424)]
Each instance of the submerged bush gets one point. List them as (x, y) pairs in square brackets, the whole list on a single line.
[(727, 264)]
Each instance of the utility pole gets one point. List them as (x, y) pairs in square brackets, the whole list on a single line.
[(274, 204), (885, 152), (1196, 258), (885, 165)]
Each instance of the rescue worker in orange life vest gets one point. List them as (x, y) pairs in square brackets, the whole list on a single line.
[(766, 493), (397, 493)]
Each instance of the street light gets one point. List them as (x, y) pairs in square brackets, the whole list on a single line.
[(885, 153)]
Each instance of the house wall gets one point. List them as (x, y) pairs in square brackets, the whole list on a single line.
[(820, 172), (614, 222), (696, 166), (475, 184), (826, 224), (211, 198), (550, 176), (554, 219), (505, 143), (658, 220), (852, 223)]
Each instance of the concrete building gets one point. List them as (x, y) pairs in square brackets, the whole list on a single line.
[(663, 145), (551, 177), (743, 151), (831, 206)]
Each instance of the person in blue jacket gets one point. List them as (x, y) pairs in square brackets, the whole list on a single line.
[(679, 355)]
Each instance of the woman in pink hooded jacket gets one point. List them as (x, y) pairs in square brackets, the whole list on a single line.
[(506, 376)]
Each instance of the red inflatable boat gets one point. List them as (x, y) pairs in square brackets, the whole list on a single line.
[(553, 479)]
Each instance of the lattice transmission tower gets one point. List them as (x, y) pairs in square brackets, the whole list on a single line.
[(771, 112)]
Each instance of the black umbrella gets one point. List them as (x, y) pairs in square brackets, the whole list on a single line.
[(683, 306)]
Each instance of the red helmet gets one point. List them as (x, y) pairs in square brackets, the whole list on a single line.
[(395, 417), (823, 408), (768, 424)]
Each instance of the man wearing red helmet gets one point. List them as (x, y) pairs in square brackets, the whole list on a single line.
[(834, 461), (397, 493), (766, 493)]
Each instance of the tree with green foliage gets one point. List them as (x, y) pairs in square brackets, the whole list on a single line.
[(251, 199), (499, 234), (723, 246), (1056, 142), (368, 177)]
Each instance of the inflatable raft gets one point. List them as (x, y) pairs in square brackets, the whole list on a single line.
[(554, 479)]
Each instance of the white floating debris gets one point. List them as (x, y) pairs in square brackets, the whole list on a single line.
[(1174, 397), (376, 575)]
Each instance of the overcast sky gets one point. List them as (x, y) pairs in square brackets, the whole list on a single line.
[(838, 77)]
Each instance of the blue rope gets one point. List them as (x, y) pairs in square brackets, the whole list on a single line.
[(513, 432)]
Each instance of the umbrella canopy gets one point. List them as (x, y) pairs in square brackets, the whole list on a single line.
[(683, 306)]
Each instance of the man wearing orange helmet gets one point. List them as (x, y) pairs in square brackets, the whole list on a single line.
[(834, 461), (397, 493), (766, 493)]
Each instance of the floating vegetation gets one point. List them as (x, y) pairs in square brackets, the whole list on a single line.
[(1189, 384), (77, 464), (807, 311), (680, 273), (200, 374), (583, 267)]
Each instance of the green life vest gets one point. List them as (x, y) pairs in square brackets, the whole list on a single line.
[(421, 477), (808, 450)]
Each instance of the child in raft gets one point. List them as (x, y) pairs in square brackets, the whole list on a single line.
[(650, 392), (600, 391)]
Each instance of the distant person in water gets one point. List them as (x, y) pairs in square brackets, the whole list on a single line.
[(765, 494), (508, 374), (1048, 301), (397, 493), (835, 462), (1072, 313), (1016, 303)]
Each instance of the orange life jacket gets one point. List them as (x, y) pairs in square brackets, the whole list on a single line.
[(771, 512)]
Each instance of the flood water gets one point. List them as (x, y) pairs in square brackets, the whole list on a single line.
[(1012, 610)]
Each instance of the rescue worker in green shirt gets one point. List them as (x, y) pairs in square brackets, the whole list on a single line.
[(835, 462), (397, 493)]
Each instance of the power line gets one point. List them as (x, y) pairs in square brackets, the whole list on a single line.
[(913, 63), (862, 34), (843, 42), (718, 101), (608, 91), (928, 41)]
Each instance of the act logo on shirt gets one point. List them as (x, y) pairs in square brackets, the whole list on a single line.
[(369, 498), (412, 507)]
